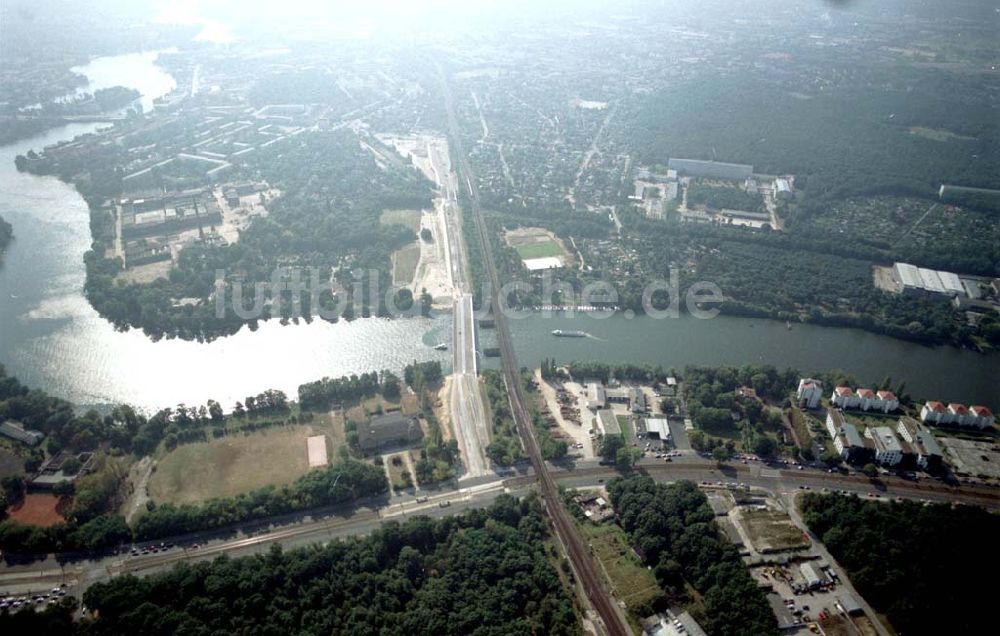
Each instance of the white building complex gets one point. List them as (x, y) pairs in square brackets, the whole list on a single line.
[(846, 438), (920, 280), (864, 399), (976, 416), (888, 450), (922, 443)]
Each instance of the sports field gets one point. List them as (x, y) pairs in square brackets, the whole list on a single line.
[(37, 509), (239, 463), (534, 242)]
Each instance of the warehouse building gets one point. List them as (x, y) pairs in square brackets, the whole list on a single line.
[(921, 280), (608, 422)]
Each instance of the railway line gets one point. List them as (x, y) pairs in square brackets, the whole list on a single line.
[(579, 556)]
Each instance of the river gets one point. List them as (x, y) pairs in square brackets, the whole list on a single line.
[(943, 373), (51, 338)]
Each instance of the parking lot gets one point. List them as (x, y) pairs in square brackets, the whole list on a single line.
[(37, 599), (792, 603), (973, 458)]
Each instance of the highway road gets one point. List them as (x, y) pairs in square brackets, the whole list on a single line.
[(468, 414), (786, 484)]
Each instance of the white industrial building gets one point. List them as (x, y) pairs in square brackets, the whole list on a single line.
[(658, 426), (597, 397), (921, 280), (783, 189)]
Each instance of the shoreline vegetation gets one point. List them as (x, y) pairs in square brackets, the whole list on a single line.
[(53, 114)]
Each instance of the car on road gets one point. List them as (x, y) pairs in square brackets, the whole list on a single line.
[(444, 504)]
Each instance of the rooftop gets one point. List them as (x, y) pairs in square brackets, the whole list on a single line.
[(389, 428), (609, 422), (885, 440)]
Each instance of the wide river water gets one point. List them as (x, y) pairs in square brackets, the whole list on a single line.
[(51, 337)]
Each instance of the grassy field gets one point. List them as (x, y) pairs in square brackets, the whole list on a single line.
[(631, 581), (534, 243), (239, 463), (405, 263), (409, 404), (772, 530), (408, 218)]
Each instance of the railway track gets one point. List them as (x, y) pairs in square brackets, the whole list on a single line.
[(579, 556)]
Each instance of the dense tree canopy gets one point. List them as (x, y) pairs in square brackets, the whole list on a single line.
[(909, 560), (674, 528), (487, 573)]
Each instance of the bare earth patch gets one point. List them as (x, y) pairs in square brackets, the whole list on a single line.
[(37, 509)]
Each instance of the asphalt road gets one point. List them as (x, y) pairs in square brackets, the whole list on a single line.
[(467, 410)]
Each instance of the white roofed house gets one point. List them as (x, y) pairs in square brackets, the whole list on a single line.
[(888, 450), (844, 397), (809, 393)]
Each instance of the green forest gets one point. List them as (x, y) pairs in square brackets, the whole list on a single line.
[(488, 572), (674, 528), (788, 276), (909, 560)]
